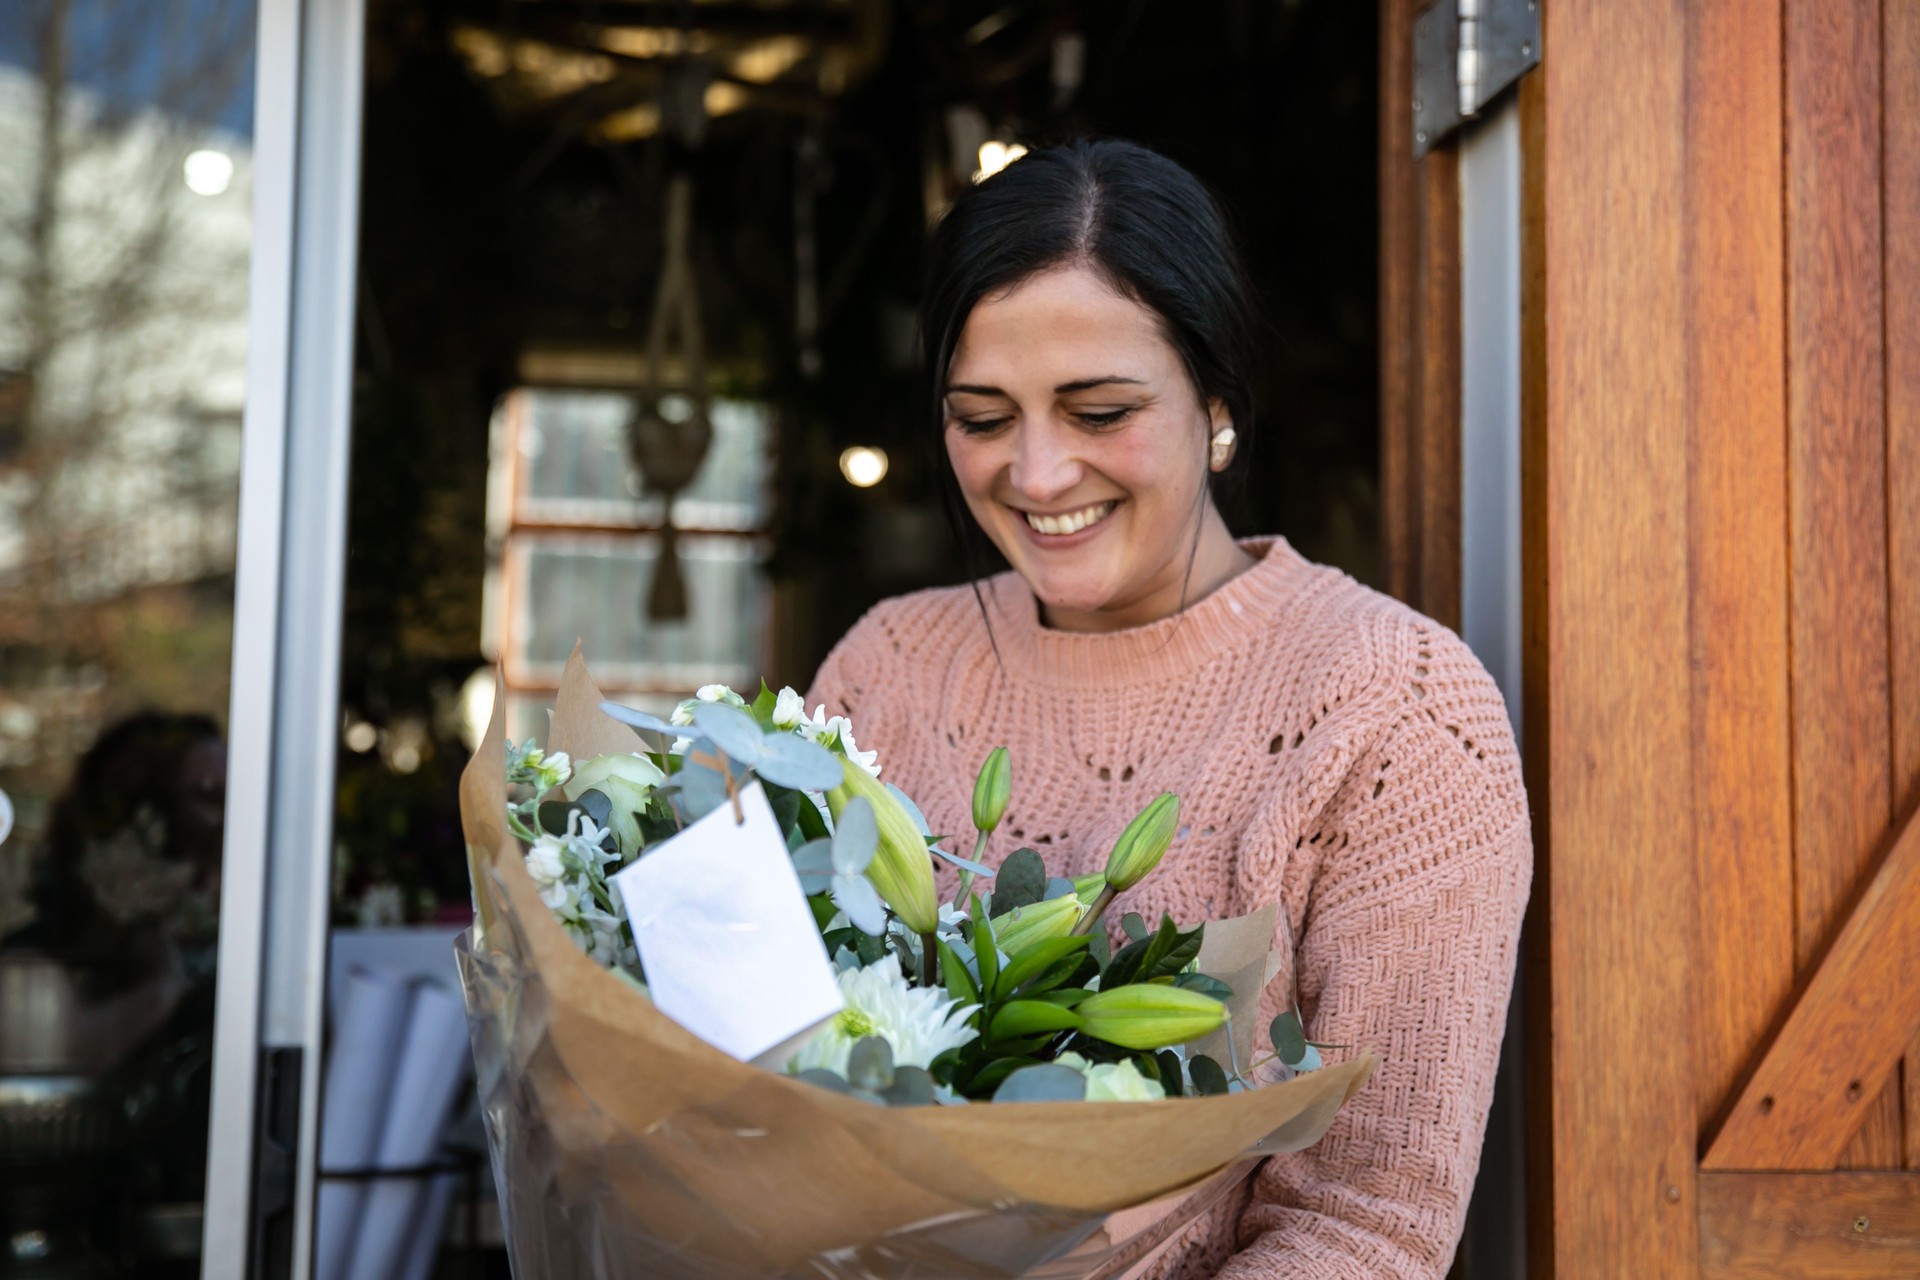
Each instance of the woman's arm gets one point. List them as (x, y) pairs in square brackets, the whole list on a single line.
[(1408, 949)]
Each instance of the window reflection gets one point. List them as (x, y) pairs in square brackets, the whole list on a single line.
[(125, 224)]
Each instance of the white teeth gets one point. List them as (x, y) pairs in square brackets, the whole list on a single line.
[(1072, 521)]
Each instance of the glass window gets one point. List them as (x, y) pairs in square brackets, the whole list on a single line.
[(125, 224)]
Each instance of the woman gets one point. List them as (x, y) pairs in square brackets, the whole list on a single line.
[(1091, 337)]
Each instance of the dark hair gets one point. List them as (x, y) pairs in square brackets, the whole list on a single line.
[(1145, 224)]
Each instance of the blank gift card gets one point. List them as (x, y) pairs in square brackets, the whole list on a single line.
[(728, 941)]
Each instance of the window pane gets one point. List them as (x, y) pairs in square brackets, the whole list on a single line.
[(579, 469), (124, 249), (595, 589)]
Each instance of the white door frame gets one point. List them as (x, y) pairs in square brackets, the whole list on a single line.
[(289, 581)]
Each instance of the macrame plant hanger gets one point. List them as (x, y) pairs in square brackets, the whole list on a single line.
[(671, 429)]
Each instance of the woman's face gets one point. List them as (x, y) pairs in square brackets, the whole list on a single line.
[(1080, 446)]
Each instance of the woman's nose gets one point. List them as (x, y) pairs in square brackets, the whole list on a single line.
[(1044, 466)]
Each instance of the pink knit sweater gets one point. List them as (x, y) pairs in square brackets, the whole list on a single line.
[(1335, 752)]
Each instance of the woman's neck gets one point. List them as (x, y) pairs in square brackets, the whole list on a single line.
[(1217, 560)]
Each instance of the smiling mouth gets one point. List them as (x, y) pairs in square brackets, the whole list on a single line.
[(1070, 521)]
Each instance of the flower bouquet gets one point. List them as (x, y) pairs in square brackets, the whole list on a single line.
[(665, 1096)]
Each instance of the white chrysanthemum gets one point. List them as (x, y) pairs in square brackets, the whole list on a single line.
[(824, 729), (919, 1023), (1113, 1081)]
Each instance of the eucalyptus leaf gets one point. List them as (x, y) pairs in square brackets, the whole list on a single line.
[(913, 810), (730, 729), (856, 896), (1208, 1078), (1310, 1060), (1101, 949), (1022, 881), (639, 719), (1043, 1082), (1133, 926), (1170, 1079), (1289, 1038), (824, 1079), (596, 806), (870, 1064), (702, 790), (911, 1087), (855, 837), (814, 859), (980, 870), (792, 761), (1058, 887)]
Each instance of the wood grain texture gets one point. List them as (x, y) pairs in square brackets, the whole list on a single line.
[(1842, 1043), (1616, 739), (1900, 42), (1437, 411), (1399, 322), (1809, 1226), (1743, 820), (1837, 477), (1536, 700)]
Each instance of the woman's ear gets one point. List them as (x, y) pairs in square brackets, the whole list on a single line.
[(1220, 434)]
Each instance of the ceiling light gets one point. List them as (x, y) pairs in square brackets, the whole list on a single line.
[(995, 156), (864, 466)]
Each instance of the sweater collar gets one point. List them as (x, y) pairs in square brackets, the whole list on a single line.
[(1162, 650)]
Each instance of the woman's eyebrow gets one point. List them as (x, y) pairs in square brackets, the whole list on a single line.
[(1087, 384), (1065, 388)]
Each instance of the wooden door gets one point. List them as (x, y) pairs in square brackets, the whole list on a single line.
[(1721, 318)]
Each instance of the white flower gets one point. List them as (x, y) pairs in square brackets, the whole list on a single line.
[(543, 861), (789, 710), (918, 1023), (826, 730), (683, 714), (1113, 1081)]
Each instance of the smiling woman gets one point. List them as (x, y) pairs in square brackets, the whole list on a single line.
[(1337, 754)]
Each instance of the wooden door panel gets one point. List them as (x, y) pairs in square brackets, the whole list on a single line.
[(1836, 429)]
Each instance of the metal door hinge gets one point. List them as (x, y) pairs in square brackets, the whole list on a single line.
[(1464, 53)]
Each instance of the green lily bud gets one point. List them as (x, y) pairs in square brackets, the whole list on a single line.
[(1021, 927), (991, 790), (1088, 887), (627, 781), (1147, 1015), (901, 870), (1143, 843)]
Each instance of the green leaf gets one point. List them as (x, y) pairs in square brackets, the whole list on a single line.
[(1019, 1018), (1182, 950), (984, 949), (953, 970), (763, 706), (1021, 881), (870, 1064), (822, 1078), (870, 949), (1205, 985), (1042, 1082), (1208, 1078), (944, 1065), (984, 1081), (1066, 997), (1289, 1038), (823, 911), (1102, 948), (1133, 926), (812, 825), (1037, 957), (1119, 971), (1169, 1064)]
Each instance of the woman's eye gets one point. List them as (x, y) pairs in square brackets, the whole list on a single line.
[(1104, 418), (980, 426)]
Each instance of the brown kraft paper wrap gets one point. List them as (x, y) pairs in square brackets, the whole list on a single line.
[(624, 1146)]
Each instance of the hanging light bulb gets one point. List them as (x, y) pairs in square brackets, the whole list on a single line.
[(995, 156)]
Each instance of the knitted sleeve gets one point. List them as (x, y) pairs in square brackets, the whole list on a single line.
[(1408, 948), (871, 669)]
